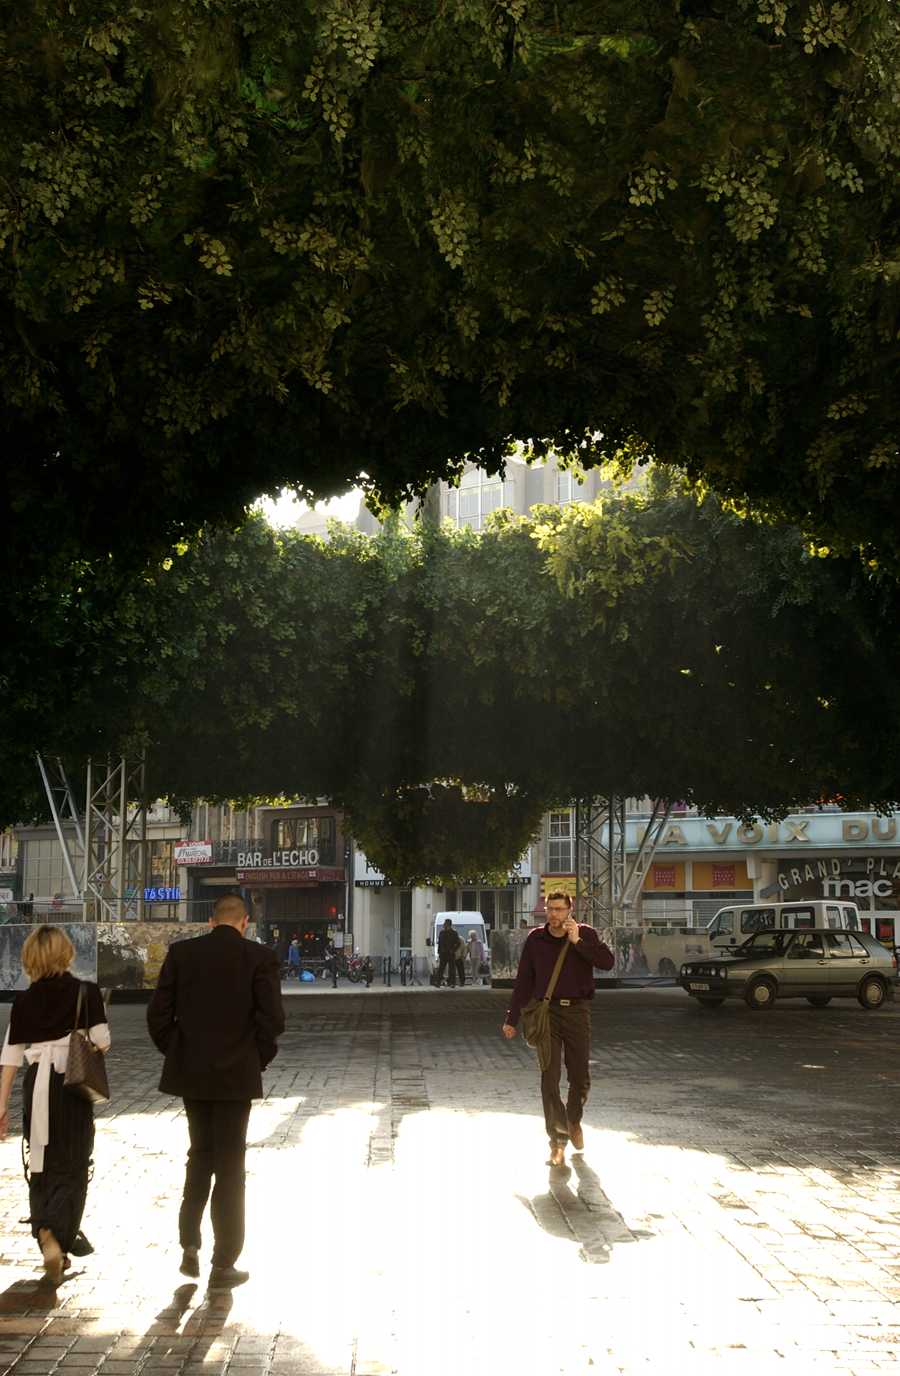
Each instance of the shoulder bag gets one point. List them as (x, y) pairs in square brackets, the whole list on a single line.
[(536, 1016), (86, 1068)]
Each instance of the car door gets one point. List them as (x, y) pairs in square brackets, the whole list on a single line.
[(848, 961), (807, 966)]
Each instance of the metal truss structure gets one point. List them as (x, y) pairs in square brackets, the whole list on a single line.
[(607, 880), (108, 836)]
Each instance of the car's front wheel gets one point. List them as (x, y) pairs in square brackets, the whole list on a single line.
[(871, 992), (819, 1000), (761, 995), (711, 1003)]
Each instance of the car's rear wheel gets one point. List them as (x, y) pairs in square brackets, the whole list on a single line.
[(761, 995), (711, 1003), (871, 992), (819, 1000)]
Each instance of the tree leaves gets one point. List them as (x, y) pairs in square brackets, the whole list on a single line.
[(646, 644), (246, 246)]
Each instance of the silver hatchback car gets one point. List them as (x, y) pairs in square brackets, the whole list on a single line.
[(816, 964)]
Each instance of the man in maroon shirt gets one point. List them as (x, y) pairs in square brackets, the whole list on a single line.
[(570, 1019)]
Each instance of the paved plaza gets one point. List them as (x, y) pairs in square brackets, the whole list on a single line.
[(736, 1208)]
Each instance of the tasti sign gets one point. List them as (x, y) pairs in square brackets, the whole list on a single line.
[(193, 852)]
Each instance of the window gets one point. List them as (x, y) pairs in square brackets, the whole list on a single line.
[(846, 947), (559, 849), (306, 833), (807, 946), (161, 872), (568, 489), (850, 918), (405, 918), (797, 917), (723, 925), (757, 919), (832, 917), (44, 871), (477, 496)]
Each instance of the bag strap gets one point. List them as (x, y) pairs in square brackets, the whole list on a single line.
[(78, 1005), (559, 960), (87, 1014)]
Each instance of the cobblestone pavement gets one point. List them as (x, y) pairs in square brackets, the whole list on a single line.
[(735, 1210)]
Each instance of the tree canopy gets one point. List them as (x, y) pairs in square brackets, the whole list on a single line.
[(645, 644), (316, 242)]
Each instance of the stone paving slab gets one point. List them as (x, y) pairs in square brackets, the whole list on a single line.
[(736, 1209)]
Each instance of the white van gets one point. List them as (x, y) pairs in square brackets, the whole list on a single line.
[(731, 926), (463, 923)]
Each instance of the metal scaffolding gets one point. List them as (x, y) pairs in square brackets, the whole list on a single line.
[(607, 880), (108, 869)]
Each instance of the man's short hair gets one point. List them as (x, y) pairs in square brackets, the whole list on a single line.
[(559, 894), (448, 921), (230, 908)]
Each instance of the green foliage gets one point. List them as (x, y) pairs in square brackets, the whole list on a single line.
[(434, 834), (249, 245), (645, 645)]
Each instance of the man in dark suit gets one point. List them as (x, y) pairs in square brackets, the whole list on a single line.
[(215, 1015)]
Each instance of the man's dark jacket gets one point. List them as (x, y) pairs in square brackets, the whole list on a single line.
[(215, 1015), (448, 941)]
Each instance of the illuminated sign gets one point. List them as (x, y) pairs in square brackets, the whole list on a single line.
[(162, 895)]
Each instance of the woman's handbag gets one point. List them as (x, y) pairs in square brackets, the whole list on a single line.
[(536, 1016), (86, 1068)]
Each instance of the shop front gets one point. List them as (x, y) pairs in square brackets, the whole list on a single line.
[(293, 886), (702, 864), (307, 904)]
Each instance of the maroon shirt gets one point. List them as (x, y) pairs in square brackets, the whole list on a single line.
[(538, 961)]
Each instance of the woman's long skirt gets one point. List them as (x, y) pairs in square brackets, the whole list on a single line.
[(58, 1192)]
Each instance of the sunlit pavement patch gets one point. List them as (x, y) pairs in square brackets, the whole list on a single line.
[(725, 1216)]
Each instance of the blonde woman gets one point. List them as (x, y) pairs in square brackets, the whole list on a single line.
[(475, 948), (57, 1124)]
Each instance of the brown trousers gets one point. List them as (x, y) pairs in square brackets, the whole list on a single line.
[(570, 1037)]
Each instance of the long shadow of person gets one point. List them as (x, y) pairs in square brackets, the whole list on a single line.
[(583, 1214)]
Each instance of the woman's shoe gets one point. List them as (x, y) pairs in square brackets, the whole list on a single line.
[(53, 1257)]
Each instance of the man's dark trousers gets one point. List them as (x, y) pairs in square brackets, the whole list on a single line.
[(570, 1036), (447, 963), (218, 1133)]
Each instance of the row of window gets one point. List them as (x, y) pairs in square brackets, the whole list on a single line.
[(481, 493)]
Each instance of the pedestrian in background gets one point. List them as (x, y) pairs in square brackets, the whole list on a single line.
[(58, 1125), (294, 954), (448, 942), (462, 955), (216, 1014), (475, 948), (330, 957)]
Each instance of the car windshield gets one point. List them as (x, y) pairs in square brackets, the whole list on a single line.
[(764, 944)]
